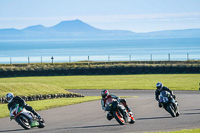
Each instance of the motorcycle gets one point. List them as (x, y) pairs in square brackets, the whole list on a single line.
[(120, 113), (25, 118), (169, 103)]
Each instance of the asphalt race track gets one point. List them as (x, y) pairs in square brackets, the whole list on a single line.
[(90, 118)]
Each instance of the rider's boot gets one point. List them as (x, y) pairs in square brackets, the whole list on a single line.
[(109, 116), (29, 108)]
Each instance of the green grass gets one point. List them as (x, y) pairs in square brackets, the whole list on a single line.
[(50, 103), (183, 131), (27, 88), (56, 84)]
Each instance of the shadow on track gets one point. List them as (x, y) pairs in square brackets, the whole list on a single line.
[(11, 130), (98, 126), (191, 109), (189, 113), (153, 118)]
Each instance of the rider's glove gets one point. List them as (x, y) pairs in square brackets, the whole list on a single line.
[(12, 117), (118, 99), (174, 96)]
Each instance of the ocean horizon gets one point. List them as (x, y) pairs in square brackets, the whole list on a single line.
[(36, 51)]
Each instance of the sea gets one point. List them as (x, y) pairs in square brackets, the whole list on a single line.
[(47, 51)]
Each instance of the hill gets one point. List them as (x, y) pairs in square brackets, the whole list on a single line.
[(76, 29)]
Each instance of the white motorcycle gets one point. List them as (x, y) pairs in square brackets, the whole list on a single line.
[(25, 118)]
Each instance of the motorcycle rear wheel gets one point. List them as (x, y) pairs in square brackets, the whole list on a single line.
[(41, 123), (177, 114), (132, 119)]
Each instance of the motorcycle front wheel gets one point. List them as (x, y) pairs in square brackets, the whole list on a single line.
[(119, 117), (23, 121)]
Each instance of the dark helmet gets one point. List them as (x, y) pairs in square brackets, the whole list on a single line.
[(104, 93), (9, 97), (159, 85)]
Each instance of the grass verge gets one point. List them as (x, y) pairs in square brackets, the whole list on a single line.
[(60, 83), (50, 103), (29, 88), (183, 131)]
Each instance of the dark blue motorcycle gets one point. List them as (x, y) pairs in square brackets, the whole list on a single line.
[(169, 103)]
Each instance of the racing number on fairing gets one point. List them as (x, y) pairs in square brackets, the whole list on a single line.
[(165, 99)]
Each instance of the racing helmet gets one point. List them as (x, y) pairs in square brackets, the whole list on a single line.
[(159, 85), (9, 97), (104, 93)]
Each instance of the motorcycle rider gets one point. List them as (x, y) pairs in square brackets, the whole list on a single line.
[(105, 96), (12, 101), (160, 88)]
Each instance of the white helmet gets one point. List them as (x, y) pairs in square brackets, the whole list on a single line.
[(9, 97)]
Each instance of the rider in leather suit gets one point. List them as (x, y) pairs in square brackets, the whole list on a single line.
[(12, 101), (160, 88), (105, 96)]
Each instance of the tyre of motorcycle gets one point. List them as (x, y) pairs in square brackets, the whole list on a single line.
[(120, 116), (23, 121), (177, 110), (41, 123), (122, 109), (170, 109), (132, 120), (177, 114), (117, 113)]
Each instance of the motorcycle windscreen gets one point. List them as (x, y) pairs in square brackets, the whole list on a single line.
[(164, 96), (164, 93)]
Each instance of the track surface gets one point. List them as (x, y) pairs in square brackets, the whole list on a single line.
[(90, 118)]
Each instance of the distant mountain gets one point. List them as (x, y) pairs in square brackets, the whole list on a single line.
[(36, 28), (74, 26), (77, 29)]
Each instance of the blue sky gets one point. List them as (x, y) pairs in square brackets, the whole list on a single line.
[(134, 15)]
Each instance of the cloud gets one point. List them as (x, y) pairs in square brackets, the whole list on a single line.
[(145, 17), (112, 18)]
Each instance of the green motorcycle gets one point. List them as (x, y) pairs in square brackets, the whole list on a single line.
[(25, 118)]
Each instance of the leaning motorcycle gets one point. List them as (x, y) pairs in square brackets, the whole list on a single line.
[(169, 103), (25, 118), (120, 113)]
